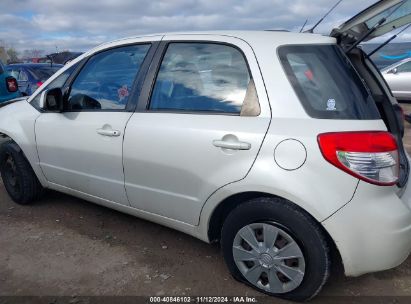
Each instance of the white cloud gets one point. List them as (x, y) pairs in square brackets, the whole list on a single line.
[(79, 25)]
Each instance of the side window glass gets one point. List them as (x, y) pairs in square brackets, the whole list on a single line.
[(106, 80), (404, 68), (56, 83), (204, 77)]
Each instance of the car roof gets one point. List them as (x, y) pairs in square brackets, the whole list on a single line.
[(239, 34), (280, 37)]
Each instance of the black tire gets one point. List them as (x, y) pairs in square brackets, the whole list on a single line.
[(306, 232), (18, 177)]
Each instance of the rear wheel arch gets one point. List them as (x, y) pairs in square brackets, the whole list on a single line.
[(225, 207)]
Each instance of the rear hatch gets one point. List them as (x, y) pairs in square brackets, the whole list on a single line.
[(377, 20)]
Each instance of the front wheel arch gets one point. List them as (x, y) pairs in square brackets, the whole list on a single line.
[(19, 178)]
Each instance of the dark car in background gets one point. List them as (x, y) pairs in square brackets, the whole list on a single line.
[(62, 57), (30, 76), (8, 85)]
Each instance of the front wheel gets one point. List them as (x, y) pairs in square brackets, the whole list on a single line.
[(276, 248), (18, 177)]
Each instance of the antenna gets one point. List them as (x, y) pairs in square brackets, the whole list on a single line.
[(305, 23), (311, 30)]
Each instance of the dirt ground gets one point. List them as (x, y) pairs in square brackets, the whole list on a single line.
[(63, 246)]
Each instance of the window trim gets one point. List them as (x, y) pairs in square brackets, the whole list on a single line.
[(151, 78), (136, 85)]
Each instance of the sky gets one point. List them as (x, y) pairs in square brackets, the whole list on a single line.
[(79, 25)]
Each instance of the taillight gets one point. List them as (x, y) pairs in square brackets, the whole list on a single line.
[(11, 84), (369, 156), (39, 84)]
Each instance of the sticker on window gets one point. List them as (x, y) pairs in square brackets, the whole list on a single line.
[(123, 92), (331, 105)]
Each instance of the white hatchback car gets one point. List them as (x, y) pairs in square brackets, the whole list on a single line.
[(279, 145)]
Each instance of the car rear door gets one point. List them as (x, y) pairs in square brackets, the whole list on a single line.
[(81, 149), (201, 120)]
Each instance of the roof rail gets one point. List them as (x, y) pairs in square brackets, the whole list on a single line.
[(277, 30)]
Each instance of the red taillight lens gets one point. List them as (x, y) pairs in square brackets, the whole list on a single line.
[(369, 156), (11, 84), (39, 84)]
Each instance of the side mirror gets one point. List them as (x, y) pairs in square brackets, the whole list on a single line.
[(52, 100), (394, 71)]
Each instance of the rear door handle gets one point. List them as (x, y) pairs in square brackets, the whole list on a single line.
[(232, 145), (105, 132)]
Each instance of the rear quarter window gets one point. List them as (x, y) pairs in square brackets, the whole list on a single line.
[(326, 83)]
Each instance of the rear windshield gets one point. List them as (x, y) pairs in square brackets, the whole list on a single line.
[(43, 73), (326, 83)]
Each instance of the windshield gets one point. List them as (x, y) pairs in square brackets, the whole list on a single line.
[(326, 83), (44, 73)]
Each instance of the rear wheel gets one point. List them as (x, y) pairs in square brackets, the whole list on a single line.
[(18, 177), (276, 248)]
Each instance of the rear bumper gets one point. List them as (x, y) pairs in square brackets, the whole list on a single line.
[(373, 231)]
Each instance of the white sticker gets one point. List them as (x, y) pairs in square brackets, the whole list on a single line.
[(331, 105)]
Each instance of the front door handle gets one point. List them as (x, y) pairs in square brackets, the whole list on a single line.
[(232, 145), (105, 132)]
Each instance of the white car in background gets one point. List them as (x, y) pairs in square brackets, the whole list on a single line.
[(398, 77), (281, 146)]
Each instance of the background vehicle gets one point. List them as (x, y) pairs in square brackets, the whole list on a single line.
[(281, 153), (398, 77), (30, 76), (63, 57), (8, 85)]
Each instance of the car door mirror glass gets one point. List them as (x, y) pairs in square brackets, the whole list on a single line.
[(52, 100)]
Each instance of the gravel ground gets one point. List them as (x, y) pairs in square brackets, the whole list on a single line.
[(63, 246)]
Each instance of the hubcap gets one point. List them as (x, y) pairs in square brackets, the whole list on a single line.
[(268, 257)]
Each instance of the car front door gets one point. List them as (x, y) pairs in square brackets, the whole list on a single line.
[(199, 125), (80, 149)]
